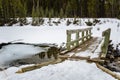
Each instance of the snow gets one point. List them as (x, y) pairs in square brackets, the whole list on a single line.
[(97, 51), (67, 70), (108, 23), (43, 34), (86, 53)]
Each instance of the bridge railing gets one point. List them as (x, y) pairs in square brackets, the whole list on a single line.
[(81, 35), (104, 47)]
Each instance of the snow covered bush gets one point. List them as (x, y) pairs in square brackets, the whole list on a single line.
[(68, 22), (89, 23), (76, 22)]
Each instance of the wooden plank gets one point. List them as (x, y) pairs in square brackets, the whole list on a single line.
[(68, 40), (87, 34), (77, 38), (96, 60), (83, 37), (36, 66), (79, 30)]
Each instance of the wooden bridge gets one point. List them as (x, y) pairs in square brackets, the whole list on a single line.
[(82, 47), (83, 43)]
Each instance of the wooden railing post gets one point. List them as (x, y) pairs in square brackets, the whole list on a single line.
[(68, 40), (90, 33), (87, 34), (82, 36), (104, 47), (77, 38)]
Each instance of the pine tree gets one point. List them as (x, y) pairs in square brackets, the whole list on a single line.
[(92, 8), (22, 12), (42, 12), (36, 14), (61, 13), (1, 13), (46, 12), (33, 14), (68, 10)]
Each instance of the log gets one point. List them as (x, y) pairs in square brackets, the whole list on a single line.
[(96, 60), (36, 66), (108, 71), (74, 57)]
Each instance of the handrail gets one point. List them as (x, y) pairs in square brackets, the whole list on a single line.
[(82, 35)]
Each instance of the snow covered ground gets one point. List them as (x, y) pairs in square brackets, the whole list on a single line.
[(68, 70)]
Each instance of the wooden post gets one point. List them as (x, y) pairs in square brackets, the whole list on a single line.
[(82, 36), (68, 40), (77, 38), (86, 35), (104, 47), (90, 33)]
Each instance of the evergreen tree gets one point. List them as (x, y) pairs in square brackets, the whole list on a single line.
[(61, 13), (93, 8), (22, 12), (42, 12), (68, 10), (1, 13), (46, 12)]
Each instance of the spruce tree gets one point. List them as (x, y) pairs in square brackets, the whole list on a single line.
[(46, 12), (22, 12), (68, 10), (1, 14), (61, 13), (33, 15), (42, 12)]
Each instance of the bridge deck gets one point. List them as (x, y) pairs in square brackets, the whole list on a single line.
[(86, 49)]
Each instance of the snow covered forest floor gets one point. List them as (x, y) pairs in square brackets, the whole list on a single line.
[(53, 34)]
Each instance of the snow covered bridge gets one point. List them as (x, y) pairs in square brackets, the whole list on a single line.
[(85, 46)]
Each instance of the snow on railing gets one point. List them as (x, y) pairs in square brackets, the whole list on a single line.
[(104, 47), (81, 35)]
